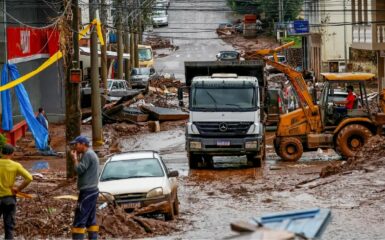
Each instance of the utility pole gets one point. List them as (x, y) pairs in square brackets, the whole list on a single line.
[(345, 50), (136, 50), (127, 67), (103, 57), (136, 42), (72, 90), (132, 46), (97, 132), (120, 39), (280, 11), (140, 23)]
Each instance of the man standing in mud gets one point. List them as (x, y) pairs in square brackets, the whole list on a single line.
[(9, 170), (87, 183)]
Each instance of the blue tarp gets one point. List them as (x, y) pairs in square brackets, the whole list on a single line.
[(39, 132)]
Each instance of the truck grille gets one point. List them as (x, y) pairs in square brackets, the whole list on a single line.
[(130, 196), (223, 128)]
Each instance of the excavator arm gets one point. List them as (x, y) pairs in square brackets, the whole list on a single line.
[(295, 77)]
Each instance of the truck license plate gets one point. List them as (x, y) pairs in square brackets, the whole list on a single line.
[(131, 205), (223, 143)]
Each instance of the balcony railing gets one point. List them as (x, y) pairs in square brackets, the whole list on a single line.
[(362, 34), (380, 33)]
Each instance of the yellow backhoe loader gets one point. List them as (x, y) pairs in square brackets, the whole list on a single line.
[(324, 124)]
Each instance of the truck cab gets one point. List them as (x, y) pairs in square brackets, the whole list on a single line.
[(225, 119)]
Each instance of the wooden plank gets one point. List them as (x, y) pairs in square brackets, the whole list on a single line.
[(165, 114)]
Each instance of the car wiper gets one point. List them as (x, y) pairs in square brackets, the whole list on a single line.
[(110, 179), (211, 96)]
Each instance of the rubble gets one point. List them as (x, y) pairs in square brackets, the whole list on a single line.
[(371, 156), (46, 217), (157, 42)]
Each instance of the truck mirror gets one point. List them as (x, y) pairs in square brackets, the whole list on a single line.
[(180, 96)]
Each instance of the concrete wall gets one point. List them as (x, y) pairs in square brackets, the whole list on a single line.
[(47, 88)]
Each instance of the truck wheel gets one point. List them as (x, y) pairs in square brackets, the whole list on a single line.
[(193, 160), (351, 138), (254, 161), (208, 161), (290, 149)]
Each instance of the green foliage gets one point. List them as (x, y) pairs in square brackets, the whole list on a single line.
[(291, 8), (296, 39)]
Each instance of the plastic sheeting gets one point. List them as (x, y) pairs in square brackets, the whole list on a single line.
[(40, 134)]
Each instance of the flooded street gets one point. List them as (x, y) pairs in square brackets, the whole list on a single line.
[(213, 198)]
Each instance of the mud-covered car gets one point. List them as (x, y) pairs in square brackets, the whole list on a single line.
[(139, 179)]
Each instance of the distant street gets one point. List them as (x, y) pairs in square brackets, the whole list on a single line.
[(193, 32)]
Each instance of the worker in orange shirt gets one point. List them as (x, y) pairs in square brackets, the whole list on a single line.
[(9, 170)]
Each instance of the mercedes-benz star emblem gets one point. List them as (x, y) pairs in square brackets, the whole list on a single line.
[(223, 127)]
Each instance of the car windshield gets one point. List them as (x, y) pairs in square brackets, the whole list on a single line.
[(145, 54), (234, 98), (229, 55), (138, 168), (159, 13), (140, 71), (281, 59)]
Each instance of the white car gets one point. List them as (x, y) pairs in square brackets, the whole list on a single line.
[(139, 179), (160, 18)]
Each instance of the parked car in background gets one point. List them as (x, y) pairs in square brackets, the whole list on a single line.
[(270, 69), (139, 76), (160, 16), (229, 56), (163, 2), (139, 179), (116, 89)]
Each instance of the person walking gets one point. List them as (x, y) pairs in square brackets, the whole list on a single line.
[(87, 184), (43, 120), (9, 170)]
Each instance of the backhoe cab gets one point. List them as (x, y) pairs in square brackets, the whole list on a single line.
[(330, 123)]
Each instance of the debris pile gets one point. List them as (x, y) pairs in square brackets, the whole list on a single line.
[(157, 42), (226, 31), (371, 156), (45, 216)]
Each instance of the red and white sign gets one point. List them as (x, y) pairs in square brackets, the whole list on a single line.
[(26, 44)]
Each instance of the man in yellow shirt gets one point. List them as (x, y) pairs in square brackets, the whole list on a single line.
[(9, 170)]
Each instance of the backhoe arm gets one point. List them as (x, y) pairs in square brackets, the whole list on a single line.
[(295, 77)]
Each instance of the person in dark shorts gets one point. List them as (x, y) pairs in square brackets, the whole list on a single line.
[(9, 170)]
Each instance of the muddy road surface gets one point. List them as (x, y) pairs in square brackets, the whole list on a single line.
[(212, 198), (192, 28)]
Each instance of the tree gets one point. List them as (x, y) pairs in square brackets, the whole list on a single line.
[(292, 8)]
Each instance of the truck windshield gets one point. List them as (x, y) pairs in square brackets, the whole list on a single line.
[(222, 99), (145, 54)]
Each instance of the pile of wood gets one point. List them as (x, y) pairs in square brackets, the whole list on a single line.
[(45, 216), (157, 42), (164, 85), (294, 56)]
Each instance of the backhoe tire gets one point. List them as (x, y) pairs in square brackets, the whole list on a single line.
[(290, 149), (351, 138)]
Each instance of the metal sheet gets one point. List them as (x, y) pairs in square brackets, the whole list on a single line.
[(309, 223)]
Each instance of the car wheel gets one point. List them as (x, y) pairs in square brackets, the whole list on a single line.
[(176, 206), (170, 215)]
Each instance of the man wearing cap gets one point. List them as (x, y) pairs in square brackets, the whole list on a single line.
[(9, 170), (87, 171)]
